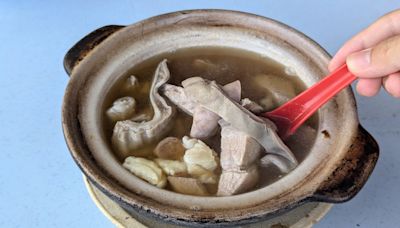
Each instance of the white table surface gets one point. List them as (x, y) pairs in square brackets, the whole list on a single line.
[(40, 185)]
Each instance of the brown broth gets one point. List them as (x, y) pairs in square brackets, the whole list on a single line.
[(223, 65)]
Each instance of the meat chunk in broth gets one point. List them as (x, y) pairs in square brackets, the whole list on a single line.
[(177, 95), (238, 150), (204, 123), (236, 182)]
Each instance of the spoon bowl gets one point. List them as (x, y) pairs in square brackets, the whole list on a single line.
[(296, 111)]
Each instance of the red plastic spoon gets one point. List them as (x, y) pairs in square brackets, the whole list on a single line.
[(295, 112)]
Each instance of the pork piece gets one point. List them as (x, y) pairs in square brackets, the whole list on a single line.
[(233, 90), (236, 182), (128, 135), (186, 185), (279, 87), (205, 122), (177, 95), (210, 96), (238, 150)]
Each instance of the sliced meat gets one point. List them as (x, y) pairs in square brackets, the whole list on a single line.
[(210, 96), (238, 150), (177, 95), (205, 122), (231, 182), (233, 90)]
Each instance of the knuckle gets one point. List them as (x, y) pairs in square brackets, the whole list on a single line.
[(387, 53), (383, 51)]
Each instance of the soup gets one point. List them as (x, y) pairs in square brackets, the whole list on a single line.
[(263, 85)]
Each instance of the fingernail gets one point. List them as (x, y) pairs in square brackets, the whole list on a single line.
[(359, 60)]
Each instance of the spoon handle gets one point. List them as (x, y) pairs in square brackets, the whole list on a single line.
[(299, 109)]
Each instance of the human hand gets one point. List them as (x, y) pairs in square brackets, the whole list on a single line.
[(373, 55)]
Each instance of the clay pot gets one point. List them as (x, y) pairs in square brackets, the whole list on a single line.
[(337, 167)]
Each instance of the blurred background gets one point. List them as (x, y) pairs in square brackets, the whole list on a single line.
[(40, 185)]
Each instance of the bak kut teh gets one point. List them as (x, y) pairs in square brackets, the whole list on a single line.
[(187, 121)]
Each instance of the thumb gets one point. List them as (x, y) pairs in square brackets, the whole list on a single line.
[(379, 61)]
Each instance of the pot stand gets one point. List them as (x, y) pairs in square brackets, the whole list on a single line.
[(304, 216)]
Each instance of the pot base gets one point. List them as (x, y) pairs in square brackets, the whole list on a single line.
[(304, 216)]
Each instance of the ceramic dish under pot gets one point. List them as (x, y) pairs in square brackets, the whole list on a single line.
[(337, 166)]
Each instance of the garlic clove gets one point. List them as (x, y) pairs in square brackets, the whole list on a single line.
[(202, 155), (146, 170), (171, 167)]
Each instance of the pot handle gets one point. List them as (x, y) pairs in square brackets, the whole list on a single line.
[(348, 179), (87, 44)]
